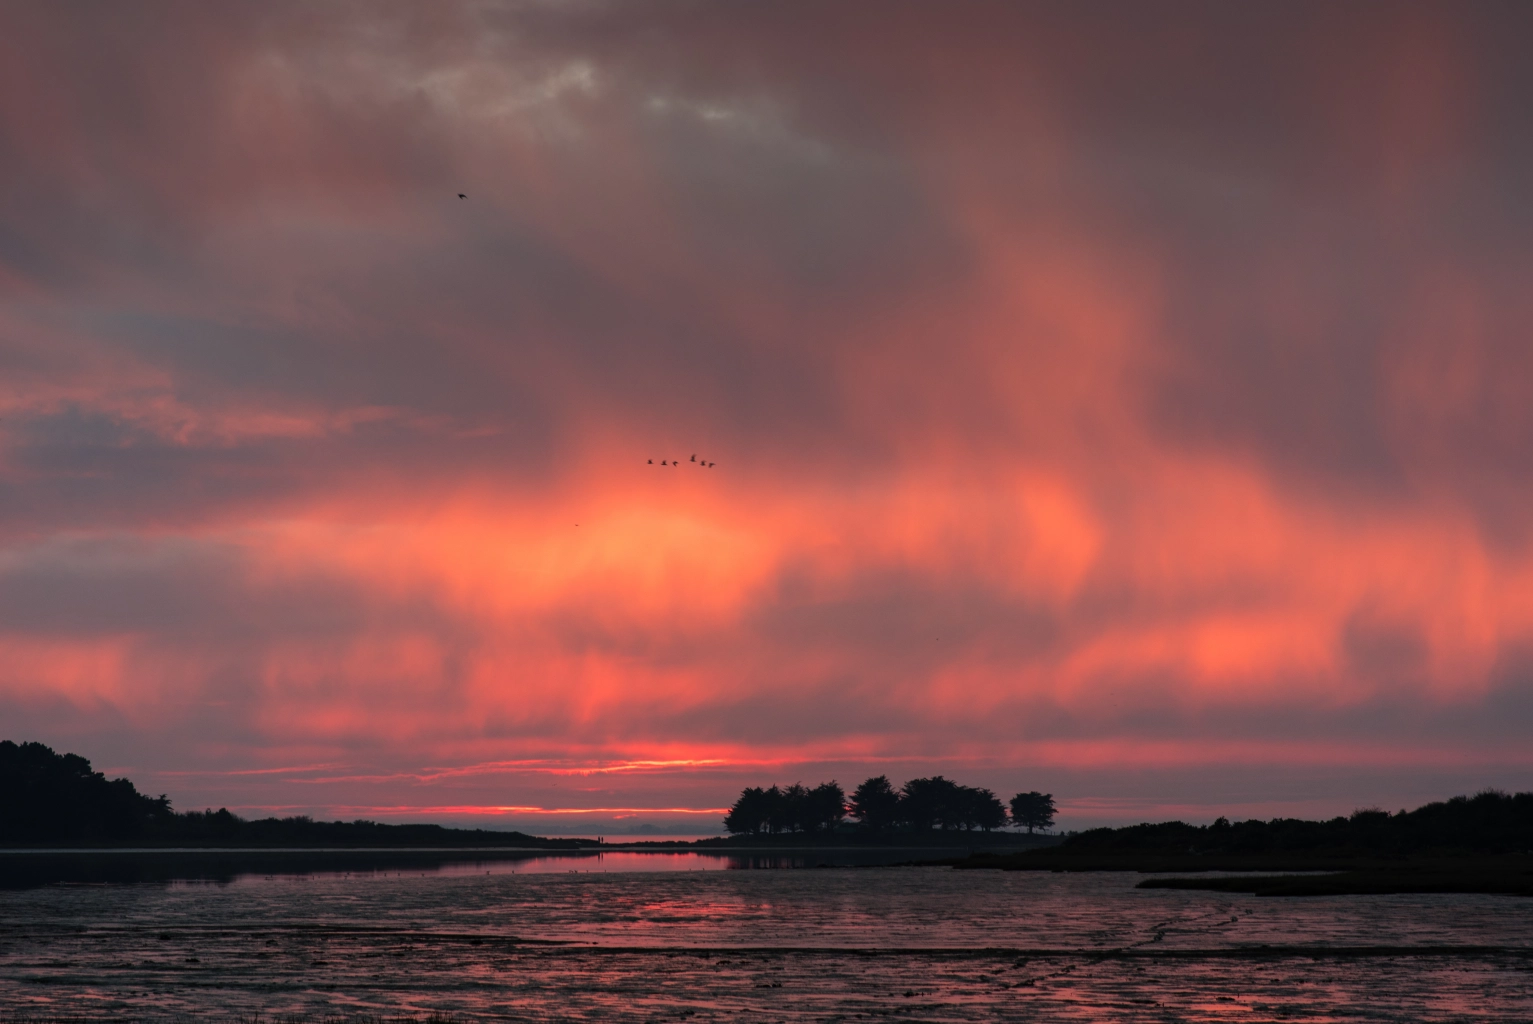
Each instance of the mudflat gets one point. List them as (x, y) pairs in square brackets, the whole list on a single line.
[(570, 942)]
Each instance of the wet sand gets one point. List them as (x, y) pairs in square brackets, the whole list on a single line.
[(884, 943)]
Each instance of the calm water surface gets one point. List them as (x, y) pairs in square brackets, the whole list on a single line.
[(652, 937)]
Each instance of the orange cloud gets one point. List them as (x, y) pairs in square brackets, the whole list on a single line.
[(1080, 398)]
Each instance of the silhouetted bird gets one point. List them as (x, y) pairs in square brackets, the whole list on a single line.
[(462, 196), (651, 461), (663, 462), (694, 458), (710, 465)]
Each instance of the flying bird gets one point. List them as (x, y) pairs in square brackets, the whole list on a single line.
[(694, 457), (462, 196), (651, 462), (662, 462)]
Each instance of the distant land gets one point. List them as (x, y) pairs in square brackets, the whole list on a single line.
[(1481, 844), (57, 800)]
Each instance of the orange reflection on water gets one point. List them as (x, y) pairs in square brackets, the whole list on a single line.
[(600, 863)]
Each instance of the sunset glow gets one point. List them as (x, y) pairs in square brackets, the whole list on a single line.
[(1138, 408)]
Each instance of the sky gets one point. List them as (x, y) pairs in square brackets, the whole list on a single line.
[(1132, 402)]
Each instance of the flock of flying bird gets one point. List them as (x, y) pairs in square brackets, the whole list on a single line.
[(663, 462), (676, 462)]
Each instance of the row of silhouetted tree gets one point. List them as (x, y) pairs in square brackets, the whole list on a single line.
[(920, 805), (1488, 822), (46, 797), (56, 797)]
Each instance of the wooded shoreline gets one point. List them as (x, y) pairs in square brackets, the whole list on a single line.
[(1479, 844), (1482, 843)]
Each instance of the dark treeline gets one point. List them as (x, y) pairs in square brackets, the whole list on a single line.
[(794, 809), (58, 798), (1491, 822), (920, 805)]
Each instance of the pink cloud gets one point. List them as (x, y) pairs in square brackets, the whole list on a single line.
[(1085, 397)]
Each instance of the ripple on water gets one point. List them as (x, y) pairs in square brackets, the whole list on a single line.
[(901, 943)]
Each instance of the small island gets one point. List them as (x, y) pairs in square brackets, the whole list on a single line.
[(922, 812)]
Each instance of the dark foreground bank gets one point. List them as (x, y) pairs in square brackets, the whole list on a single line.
[(1509, 876), (1479, 844)]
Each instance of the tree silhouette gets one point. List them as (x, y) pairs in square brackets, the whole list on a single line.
[(751, 813), (876, 804), (1488, 822), (788, 813), (795, 809), (825, 807), (921, 805), (982, 808), (931, 803), (46, 797), (49, 796), (1033, 810)]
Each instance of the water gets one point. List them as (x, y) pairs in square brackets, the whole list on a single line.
[(594, 939)]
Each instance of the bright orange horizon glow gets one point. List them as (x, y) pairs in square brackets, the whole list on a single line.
[(470, 810)]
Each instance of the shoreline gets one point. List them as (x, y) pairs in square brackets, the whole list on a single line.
[(1304, 874), (1473, 878), (585, 851), (24, 868), (977, 842)]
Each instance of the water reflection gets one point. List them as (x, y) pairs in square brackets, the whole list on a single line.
[(21, 869), (622, 860)]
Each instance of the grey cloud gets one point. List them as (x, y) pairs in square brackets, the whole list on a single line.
[(255, 208), (183, 593)]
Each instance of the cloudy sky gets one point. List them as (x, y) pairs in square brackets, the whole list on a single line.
[(1129, 401)]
